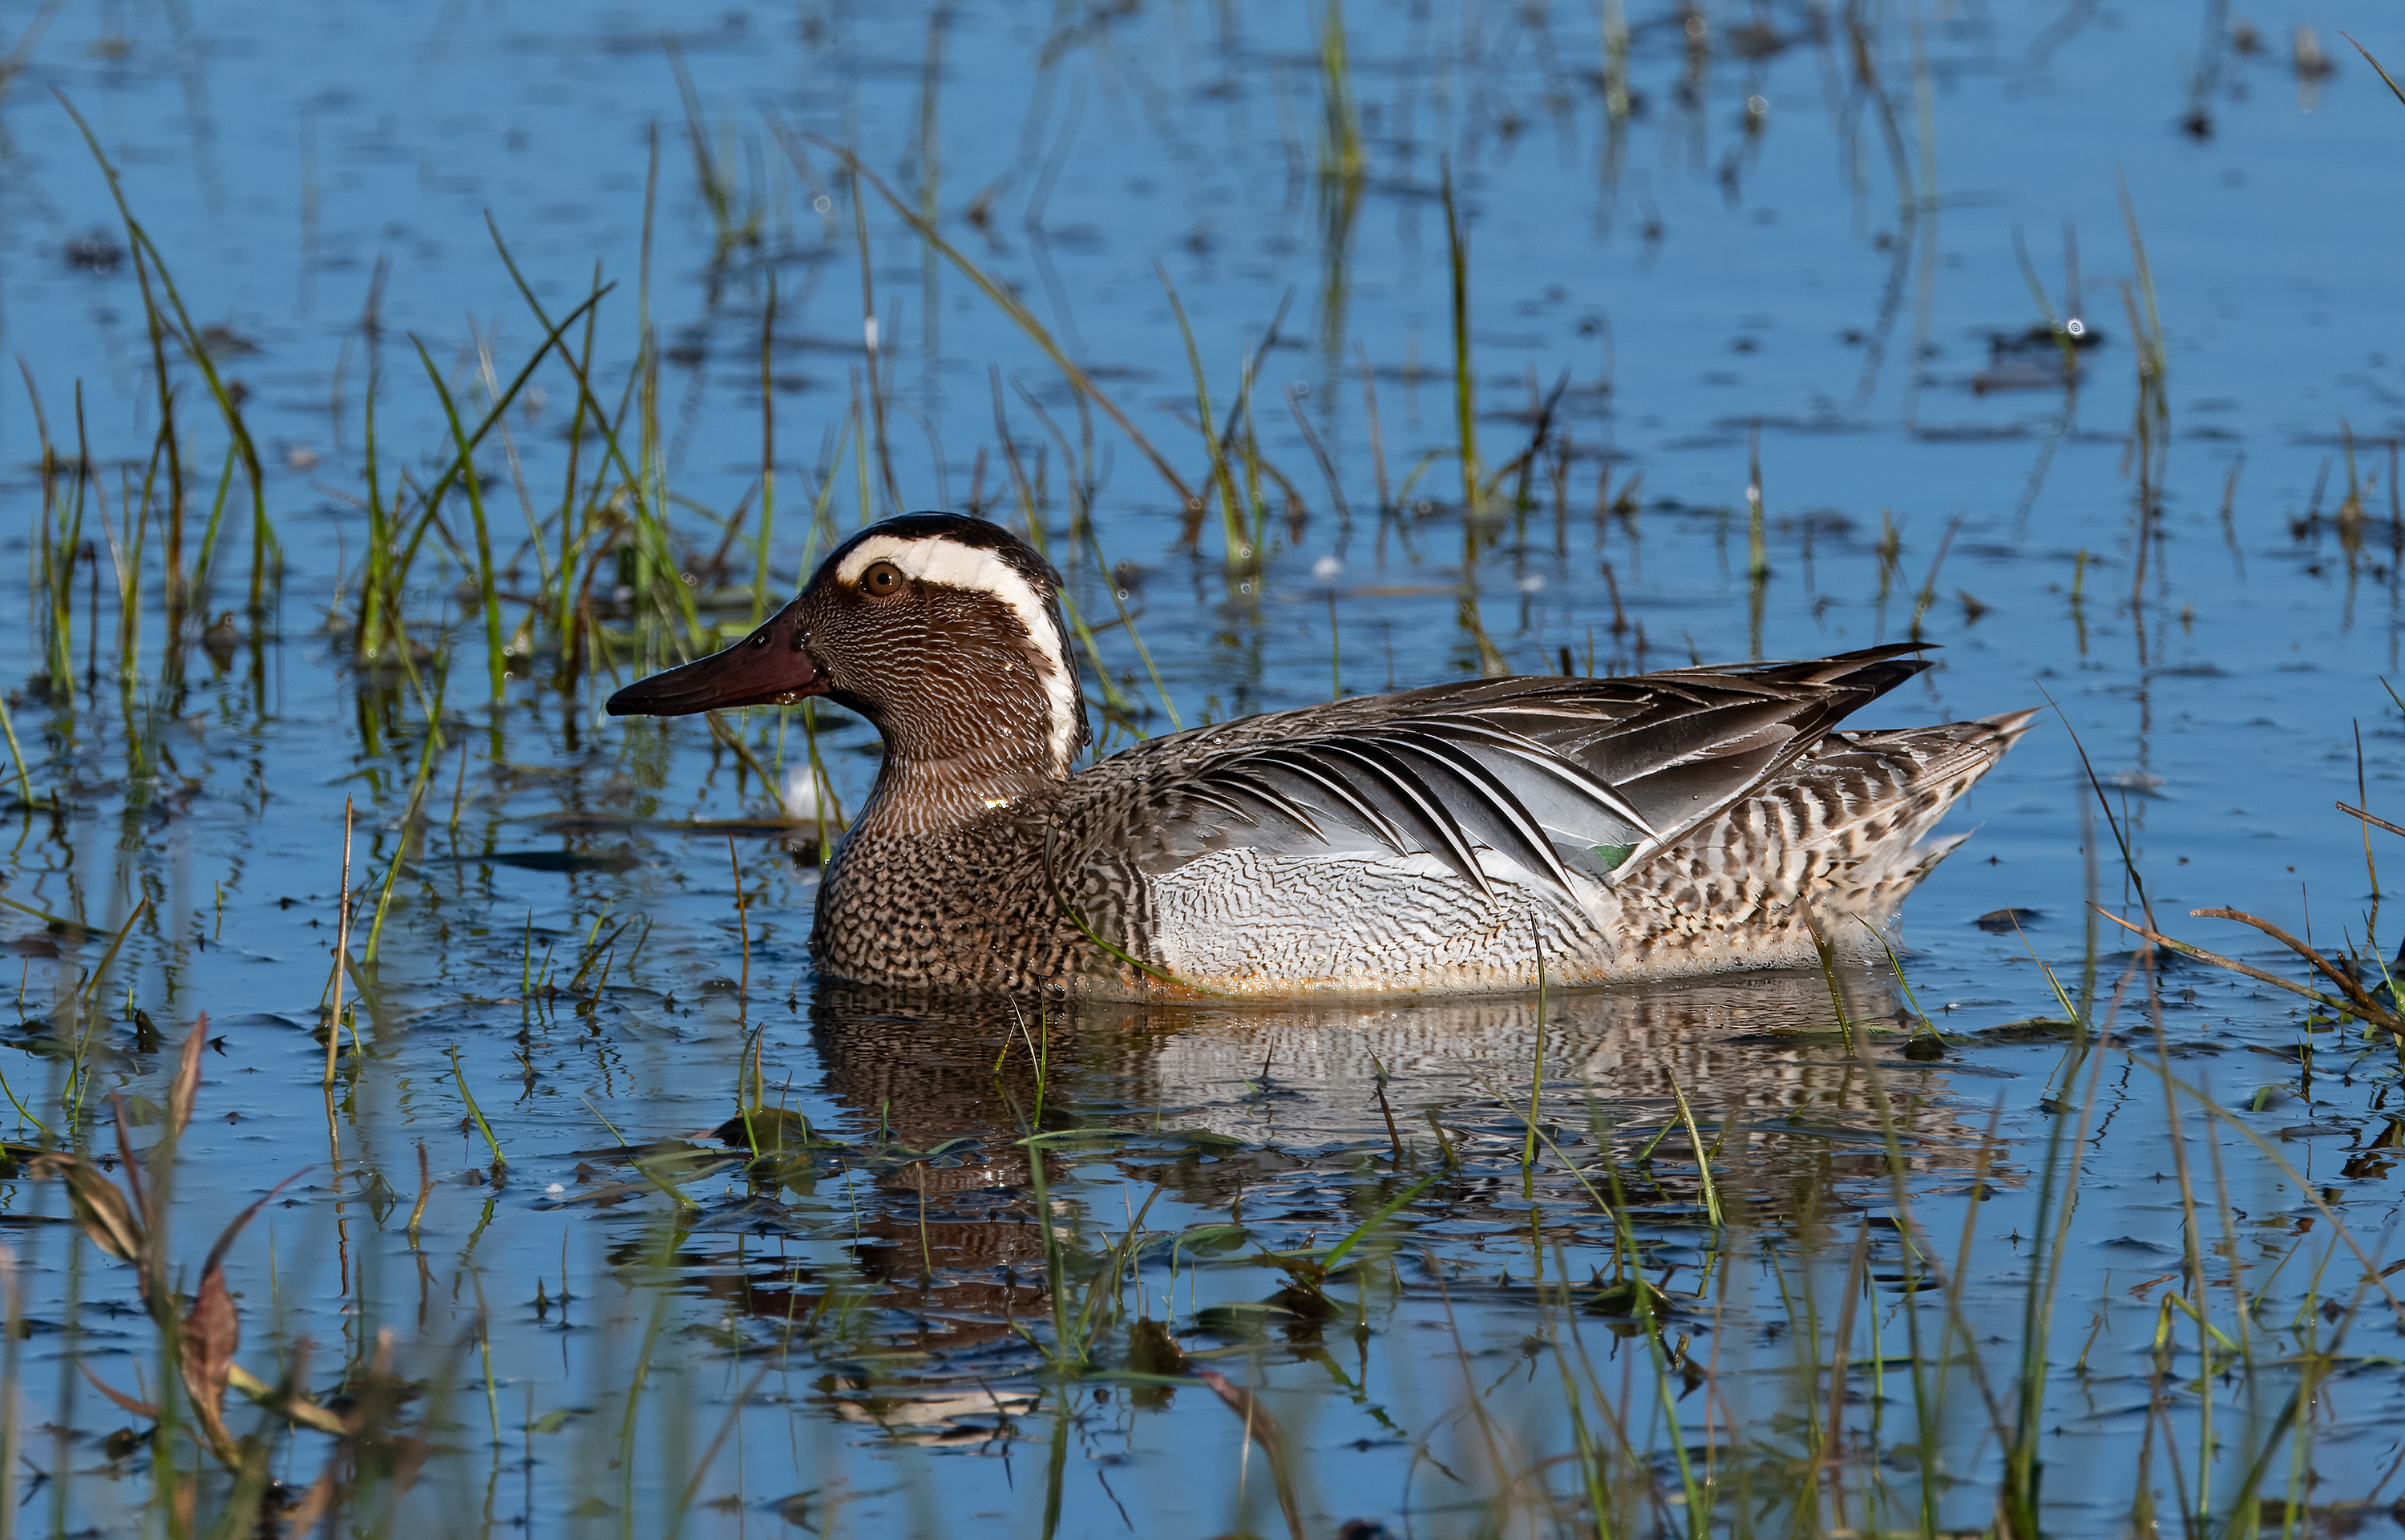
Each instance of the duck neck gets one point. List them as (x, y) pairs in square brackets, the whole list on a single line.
[(956, 754), (920, 795)]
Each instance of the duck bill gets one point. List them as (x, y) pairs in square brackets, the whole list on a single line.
[(768, 668)]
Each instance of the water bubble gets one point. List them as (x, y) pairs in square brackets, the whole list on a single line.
[(2077, 327), (1532, 584), (822, 202), (1327, 569)]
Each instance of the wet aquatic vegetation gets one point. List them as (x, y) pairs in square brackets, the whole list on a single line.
[(1204, 1319), (198, 1340), (2009, 1230), (1465, 384)]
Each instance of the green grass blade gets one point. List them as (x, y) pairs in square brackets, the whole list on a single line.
[(495, 661), (1010, 306)]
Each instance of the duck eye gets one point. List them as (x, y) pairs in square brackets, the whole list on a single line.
[(883, 580)]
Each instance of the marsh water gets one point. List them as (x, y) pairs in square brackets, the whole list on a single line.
[(2064, 337)]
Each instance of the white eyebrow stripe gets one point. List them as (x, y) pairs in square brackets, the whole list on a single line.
[(953, 565)]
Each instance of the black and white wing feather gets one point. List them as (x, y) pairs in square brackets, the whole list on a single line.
[(1540, 778)]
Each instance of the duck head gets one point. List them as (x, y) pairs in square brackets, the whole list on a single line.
[(944, 631)]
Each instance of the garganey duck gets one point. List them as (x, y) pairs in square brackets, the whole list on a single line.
[(1448, 840)]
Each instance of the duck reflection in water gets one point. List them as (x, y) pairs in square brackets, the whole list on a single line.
[(1267, 1117)]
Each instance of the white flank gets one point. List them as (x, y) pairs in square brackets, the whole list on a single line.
[(951, 565)]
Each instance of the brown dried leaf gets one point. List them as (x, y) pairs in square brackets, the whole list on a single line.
[(138, 1409), (133, 1169), (186, 1084), (103, 1210), (1264, 1430), (211, 1333)]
